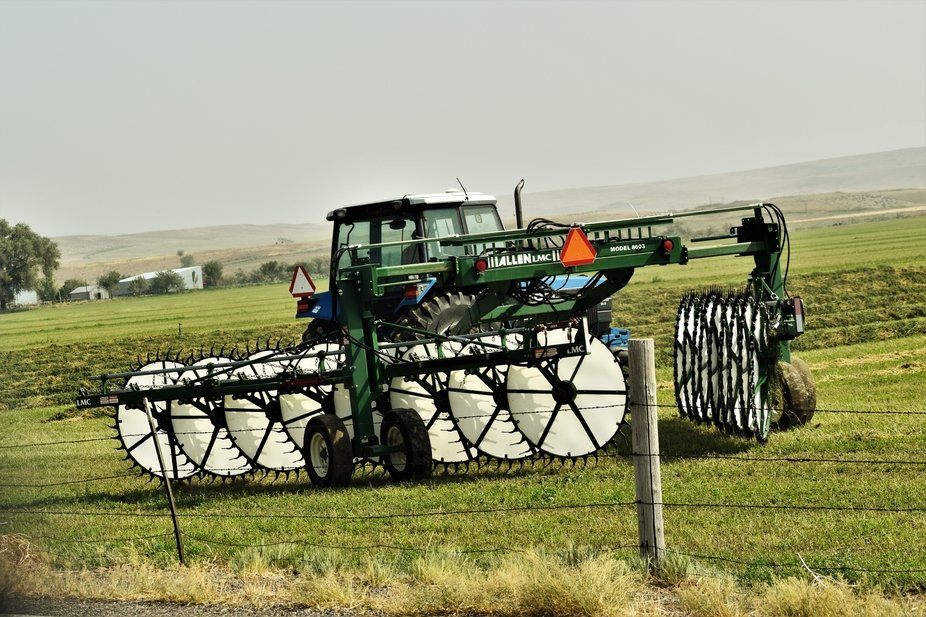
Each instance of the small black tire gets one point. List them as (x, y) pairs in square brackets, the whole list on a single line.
[(799, 395), (329, 457), (405, 428)]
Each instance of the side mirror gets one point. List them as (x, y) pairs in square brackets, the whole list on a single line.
[(397, 224)]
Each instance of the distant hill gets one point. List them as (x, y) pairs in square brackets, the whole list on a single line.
[(818, 192), (866, 172), (92, 248)]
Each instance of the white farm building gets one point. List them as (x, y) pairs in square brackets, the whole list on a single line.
[(192, 279), (89, 292)]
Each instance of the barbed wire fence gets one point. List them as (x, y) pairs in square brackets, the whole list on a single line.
[(913, 461)]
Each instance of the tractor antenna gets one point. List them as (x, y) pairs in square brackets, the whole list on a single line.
[(464, 189)]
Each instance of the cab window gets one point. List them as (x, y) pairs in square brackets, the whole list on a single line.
[(378, 231), (480, 220), (440, 223)]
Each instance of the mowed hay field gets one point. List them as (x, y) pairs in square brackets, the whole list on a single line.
[(841, 498)]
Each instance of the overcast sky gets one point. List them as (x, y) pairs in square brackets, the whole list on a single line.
[(119, 117)]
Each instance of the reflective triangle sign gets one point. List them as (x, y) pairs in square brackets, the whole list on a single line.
[(302, 285), (577, 250)]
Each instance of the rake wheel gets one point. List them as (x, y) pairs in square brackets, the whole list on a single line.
[(134, 431)]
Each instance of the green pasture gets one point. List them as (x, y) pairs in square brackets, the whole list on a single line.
[(844, 494)]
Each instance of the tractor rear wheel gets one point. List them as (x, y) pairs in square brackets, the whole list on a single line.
[(440, 312), (799, 395), (320, 331), (328, 454), (405, 430)]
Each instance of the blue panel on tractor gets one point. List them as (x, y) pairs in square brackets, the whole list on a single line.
[(415, 293), (320, 307), (616, 338)]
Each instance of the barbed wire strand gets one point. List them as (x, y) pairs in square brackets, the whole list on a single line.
[(588, 408)]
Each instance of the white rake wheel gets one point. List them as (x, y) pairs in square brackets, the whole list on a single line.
[(479, 408), (135, 433), (720, 343), (428, 396), (571, 406), (200, 425), (297, 409), (254, 421)]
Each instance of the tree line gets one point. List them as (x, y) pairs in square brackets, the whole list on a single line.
[(28, 262)]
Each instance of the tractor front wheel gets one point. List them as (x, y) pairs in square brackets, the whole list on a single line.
[(328, 454), (404, 430)]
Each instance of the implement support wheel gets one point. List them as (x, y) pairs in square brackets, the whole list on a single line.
[(328, 454), (405, 428), (799, 395)]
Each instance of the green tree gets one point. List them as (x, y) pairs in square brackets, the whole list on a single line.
[(212, 273), (69, 286), (166, 282), (46, 290), (271, 271), (138, 286), (22, 254), (186, 261), (109, 281)]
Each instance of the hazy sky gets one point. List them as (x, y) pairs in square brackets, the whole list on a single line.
[(118, 117)]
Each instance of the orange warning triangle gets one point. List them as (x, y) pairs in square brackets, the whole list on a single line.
[(302, 285), (577, 250)]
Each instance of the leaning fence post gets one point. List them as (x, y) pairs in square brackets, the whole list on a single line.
[(645, 437), (166, 479)]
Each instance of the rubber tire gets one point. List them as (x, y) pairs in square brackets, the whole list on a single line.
[(405, 428), (328, 454), (320, 331), (799, 395), (439, 313)]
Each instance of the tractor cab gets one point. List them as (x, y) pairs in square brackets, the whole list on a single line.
[(393, 233), (404, 220)]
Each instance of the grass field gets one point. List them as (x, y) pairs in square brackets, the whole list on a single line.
[(842, 497)]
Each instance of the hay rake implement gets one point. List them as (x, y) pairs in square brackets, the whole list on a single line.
[(445, 340)]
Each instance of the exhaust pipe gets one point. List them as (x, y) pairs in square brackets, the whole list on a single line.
[(518, 215)]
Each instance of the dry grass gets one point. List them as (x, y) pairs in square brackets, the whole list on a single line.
[(532, 584)]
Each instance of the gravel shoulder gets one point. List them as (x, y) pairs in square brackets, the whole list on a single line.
[(67, 607)]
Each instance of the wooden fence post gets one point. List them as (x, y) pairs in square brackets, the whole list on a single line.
[(646, 469)]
